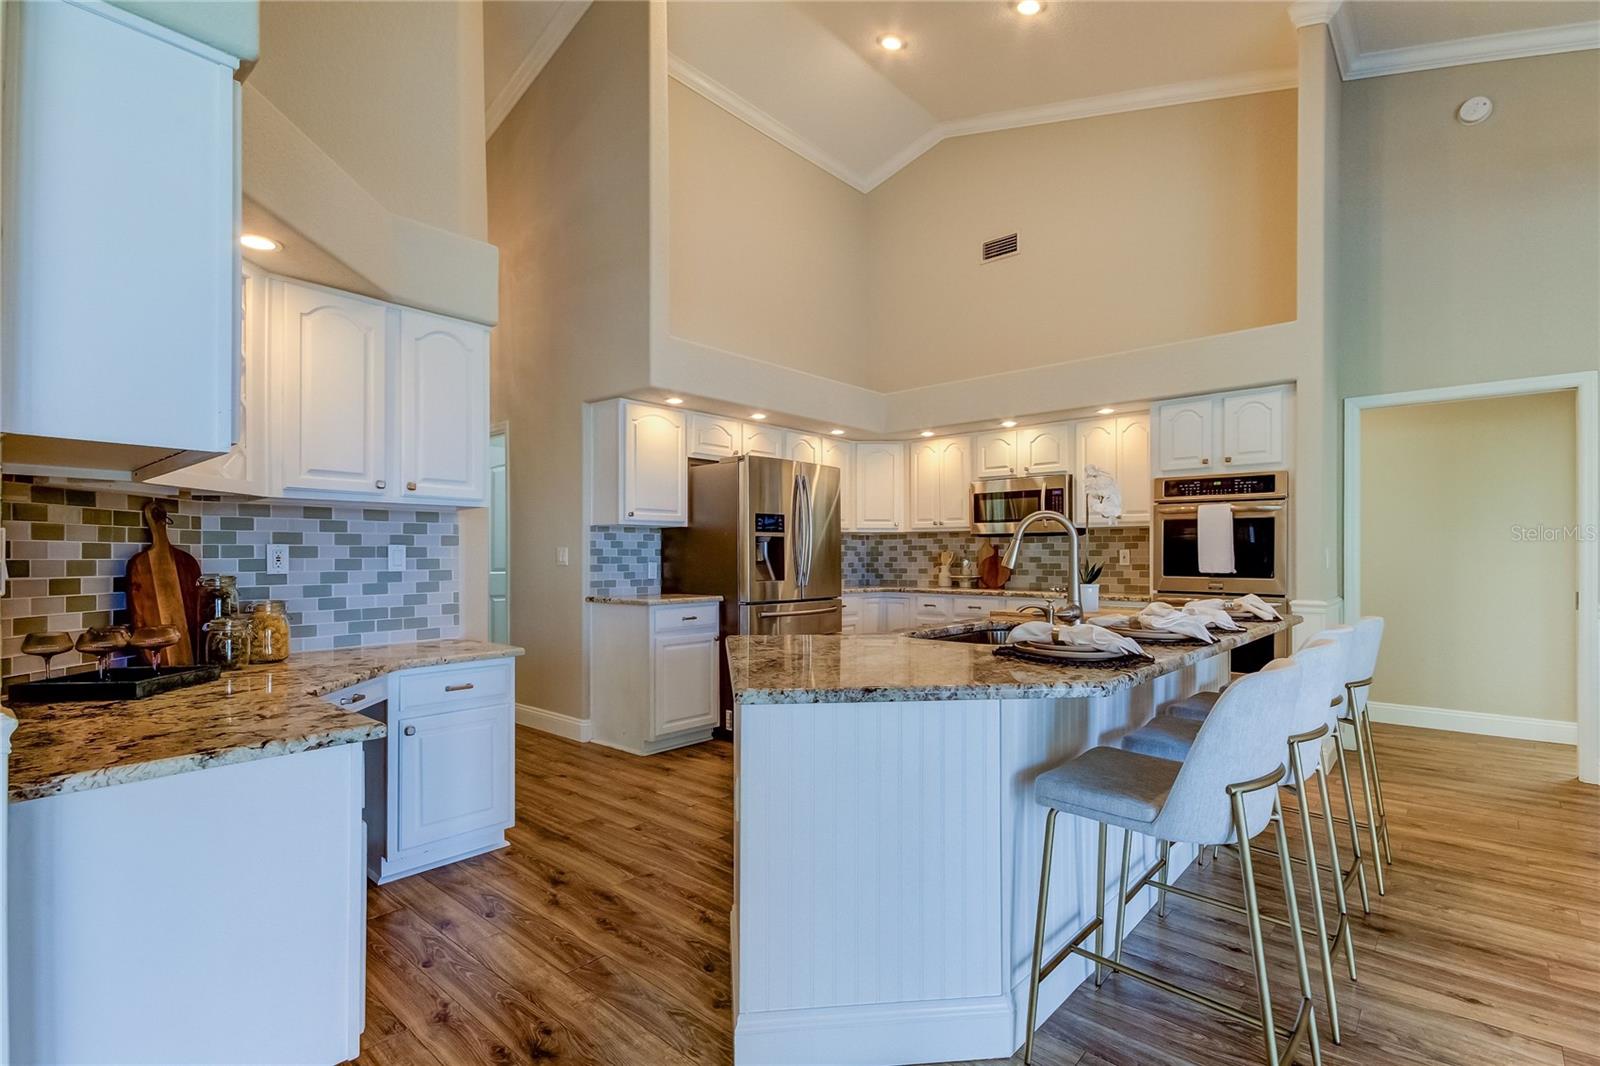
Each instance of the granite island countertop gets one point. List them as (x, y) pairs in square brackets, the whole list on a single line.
[(657, 599), (255, 713), (895, 667)]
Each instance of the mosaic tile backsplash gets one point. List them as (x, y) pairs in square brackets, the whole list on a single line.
[(913, 559), (67, 549), (624, 561)]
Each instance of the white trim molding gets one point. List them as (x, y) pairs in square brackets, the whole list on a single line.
[(1586, 387), (1318, 615), (539, 53), (1482, 723), (561, 725)]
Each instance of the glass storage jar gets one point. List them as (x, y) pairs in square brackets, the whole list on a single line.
[(219, 596), (225, 642), (269, 631)]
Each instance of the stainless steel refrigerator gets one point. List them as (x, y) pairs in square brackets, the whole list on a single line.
[(764, 535)]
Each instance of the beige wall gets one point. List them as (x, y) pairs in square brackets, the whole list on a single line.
[(768, 252), (569, 209), (393, 92), (1468, 254), (1476, 618)]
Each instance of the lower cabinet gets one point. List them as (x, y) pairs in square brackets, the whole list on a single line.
[(654, 674), (439, 786)]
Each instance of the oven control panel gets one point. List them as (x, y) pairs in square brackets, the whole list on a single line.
[(1224, 486)]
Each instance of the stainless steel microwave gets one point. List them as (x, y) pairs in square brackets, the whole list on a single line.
[(1000, 504)]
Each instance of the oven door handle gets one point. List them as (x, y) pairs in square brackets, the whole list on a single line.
[(1165, 509)]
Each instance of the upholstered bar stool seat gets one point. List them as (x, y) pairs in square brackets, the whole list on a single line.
[(1120, 788), (1166, 737), (1195, 708)]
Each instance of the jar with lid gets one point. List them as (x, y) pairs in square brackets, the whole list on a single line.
[(269, 631), (219, 596), (225, 642)]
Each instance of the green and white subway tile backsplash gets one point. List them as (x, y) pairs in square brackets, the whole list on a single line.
[(913, 559), (67, 549), (624, 561)]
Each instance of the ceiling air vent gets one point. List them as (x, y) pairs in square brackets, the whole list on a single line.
[(1000, 247)]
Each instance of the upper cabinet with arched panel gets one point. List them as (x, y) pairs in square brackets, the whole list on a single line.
[(1233, 431)]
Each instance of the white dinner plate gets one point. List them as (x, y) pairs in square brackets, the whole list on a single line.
[(1068, 653), (1159, 636)]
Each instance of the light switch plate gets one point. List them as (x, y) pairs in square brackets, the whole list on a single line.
[(563, 557), (277, 558), (1124, 557), (397, 557)]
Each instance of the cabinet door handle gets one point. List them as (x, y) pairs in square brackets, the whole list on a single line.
[(411, 486), (381, 484), (1227, 458), (459, 688), (1206, 461), (410, 730), (630, 514), (348, 700)]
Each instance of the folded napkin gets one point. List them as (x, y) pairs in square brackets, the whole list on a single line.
[(1253, 604), (1213, 613), (1169, 619), (1081, 635)]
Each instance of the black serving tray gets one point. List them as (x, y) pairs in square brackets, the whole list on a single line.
[(120, 683)]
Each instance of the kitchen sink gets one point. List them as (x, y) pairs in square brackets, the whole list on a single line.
[(982, 634)]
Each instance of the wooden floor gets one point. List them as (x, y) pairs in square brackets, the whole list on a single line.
[(601, 934)]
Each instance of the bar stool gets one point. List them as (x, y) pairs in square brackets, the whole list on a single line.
[(1363, 663), (1225, 791), (1322, 664)]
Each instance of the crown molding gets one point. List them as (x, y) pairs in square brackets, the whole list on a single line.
[(694, 78), (1520, 44), (539, 53), (1063, 111)]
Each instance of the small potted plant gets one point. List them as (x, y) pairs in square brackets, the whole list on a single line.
[(1089, 584)]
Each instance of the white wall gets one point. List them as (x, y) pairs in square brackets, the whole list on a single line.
[(1479, 615)]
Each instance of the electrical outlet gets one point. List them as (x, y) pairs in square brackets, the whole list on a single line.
[(397, 557), (563, 557), (652, 570), (277, 558), (1124, 557)]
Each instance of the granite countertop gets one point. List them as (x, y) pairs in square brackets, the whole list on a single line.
[(953, 591), (896, 667), (656, 600), (255, 713)]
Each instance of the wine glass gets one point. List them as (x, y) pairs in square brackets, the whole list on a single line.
[(102, 643), (153, 640), (46, 646)]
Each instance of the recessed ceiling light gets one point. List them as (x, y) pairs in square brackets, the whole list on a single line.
[(927, 433), (674, 400), (892, 42), (836, 432), (759, 416), (257, 243), (1106, 411), (1028, 7), (1010, 423)]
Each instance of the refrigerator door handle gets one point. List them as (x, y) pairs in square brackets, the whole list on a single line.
[(802, 530), (801, 614)]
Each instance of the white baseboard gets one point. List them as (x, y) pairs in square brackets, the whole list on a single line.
[(1512, 726), (562, 725)]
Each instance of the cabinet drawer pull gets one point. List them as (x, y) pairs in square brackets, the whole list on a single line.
[(690, 618), (348, 700), (410, 731), (381, 484), (459, 688)]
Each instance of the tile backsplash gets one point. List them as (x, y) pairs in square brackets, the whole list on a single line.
[(67, 549), (624, 560), (913, 559)]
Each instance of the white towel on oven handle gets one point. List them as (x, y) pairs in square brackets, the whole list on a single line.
[(1214, 538)]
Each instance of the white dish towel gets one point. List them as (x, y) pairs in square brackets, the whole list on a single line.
[(1213, 613), (1165, 617), (1214, 532), (1081, 635)]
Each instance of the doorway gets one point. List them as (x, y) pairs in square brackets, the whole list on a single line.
[(1470, 525), (499, 540)]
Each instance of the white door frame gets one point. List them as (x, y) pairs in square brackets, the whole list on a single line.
[(1587, 387)]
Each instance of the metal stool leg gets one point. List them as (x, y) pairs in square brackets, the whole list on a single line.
[(1258, 954), (1366, 796), (1038, 932), (1338, 870), (1161, 882), (1357, 860), (1318, 914), (1100, 908), (1122, 894), (1382, 823), (1294, 926)]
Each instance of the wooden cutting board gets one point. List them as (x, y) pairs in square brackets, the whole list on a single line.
[(992, 573), (161, 587)]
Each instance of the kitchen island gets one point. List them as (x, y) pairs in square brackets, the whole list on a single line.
[(186, 874), (887, 841)]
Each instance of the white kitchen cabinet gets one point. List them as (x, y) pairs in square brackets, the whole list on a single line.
[(974, 608), (897, 612), (763, 440), (940, 484), (658, 686), (1230, 431), (1120, 446), (994, 454), (1045, 449), (121, 268), (879, 486), (841, 455), (850, 613), (1252, 428), (928, 609), (329, 361), (640, 475), (802, 447), (711, 437), (1184, 432), (444, 409)]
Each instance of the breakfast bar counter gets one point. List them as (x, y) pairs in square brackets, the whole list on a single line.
[(887, 841)]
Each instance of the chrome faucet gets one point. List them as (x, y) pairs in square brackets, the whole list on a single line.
[(1073, 611)]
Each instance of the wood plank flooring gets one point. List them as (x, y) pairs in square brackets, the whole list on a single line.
[(601, 934)]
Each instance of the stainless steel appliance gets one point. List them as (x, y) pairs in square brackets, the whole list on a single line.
[(764, 535), (1000, 504), (1260, 506)]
